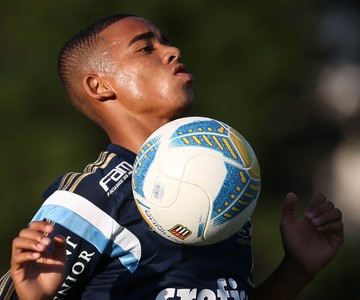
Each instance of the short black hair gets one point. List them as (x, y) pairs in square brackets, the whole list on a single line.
[(79, 50)]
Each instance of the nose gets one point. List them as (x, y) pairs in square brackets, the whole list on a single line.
[(171, 54)]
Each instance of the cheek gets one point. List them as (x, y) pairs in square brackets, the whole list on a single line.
[(164, 90), (129, 83), (133, 88), (143, 80)]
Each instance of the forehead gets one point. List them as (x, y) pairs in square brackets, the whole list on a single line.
[(123, 31)]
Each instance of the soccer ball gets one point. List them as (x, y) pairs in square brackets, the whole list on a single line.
[(196, 181)]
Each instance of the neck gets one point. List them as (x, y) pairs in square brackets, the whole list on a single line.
[(133, 132), (127, 128)]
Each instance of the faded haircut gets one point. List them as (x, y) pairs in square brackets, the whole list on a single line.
[(79, 54)]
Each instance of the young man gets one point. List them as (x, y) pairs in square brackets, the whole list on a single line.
[(122, 73)]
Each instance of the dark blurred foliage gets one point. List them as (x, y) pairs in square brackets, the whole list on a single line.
[(255, 63)]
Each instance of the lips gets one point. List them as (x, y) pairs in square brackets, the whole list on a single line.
[(180, 69)]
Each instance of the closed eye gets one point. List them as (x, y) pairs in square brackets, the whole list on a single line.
[(147, 49)]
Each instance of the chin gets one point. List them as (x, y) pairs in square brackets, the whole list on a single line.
[(184, 109)]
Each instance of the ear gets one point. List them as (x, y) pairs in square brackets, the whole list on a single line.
[(96, 88)]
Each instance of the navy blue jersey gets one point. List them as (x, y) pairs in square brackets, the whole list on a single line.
[(113, 253)]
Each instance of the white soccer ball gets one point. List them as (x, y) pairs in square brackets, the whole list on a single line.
[(196, 181)]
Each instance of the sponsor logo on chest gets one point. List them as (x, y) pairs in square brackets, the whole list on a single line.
[(227, 290), (116, 177)]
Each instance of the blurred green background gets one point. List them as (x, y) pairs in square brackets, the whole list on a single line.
[(286, 74)]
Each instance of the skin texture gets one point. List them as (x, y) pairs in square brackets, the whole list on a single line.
[(310, 243), (33, 268), (145, 86)]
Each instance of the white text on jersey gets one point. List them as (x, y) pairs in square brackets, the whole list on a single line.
[(112, 180)]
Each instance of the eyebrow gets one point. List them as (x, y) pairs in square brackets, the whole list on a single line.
[(143, 36), (146, 36)]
